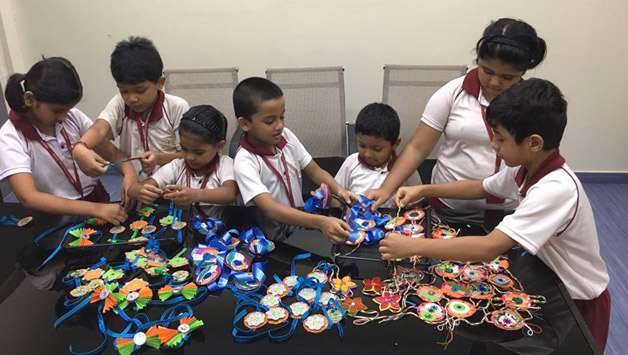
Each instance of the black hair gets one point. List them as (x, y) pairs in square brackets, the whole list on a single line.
[(513, 42), (136, 60), (250, 93), (533, 106), (51, 80), (378, 120), (206, 122)]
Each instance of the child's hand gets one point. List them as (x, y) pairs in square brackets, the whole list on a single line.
[(149, 161), (111, 212), (89, 162), (149, 193), (407, 195), (378, 196), (181, 195), (348, 196), (336, 230), (396, 246), (127, 201)]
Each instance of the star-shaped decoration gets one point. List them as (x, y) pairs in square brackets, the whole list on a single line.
[(374, 285), (353, 305), (388, 301)]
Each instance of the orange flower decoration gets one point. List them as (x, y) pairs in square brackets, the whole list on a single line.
[(106, 295), (93, 274), (138, 224), (353, 305)]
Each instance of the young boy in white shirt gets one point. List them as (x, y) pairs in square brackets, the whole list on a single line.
[(554, 219), (377, 133), (270, 159), (144, 117)]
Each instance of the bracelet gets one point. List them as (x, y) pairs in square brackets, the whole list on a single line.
[(80, 143)]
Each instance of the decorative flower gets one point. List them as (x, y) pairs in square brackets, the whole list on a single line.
[(105, 294), (344, 285), (138, 224), (113, 274), (83, 236), (388, 301), (146, 211), (96, 221), (93, 274), (373, 285), (166, 221), (353, 305), (315, 322)]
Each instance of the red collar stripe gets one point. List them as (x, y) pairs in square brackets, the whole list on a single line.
[(553, 162)]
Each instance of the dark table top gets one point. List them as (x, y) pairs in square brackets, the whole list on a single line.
[(30, 302)]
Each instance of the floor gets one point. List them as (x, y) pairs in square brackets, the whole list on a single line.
[(610, 206)]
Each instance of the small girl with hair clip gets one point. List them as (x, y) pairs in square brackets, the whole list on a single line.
[(37, 141), (202, 175)]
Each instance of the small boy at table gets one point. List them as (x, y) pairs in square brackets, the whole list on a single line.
[(144, 117), (377, 133), (554, 219), (270, 159)]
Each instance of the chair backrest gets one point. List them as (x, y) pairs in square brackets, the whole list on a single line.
[(407, 88), (206, 87), (315, 107)]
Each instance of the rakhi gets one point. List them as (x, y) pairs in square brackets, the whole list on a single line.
[(519, 300), (11, 220), (318, 201)]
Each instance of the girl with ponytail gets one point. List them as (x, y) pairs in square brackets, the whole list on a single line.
[(36, 145)]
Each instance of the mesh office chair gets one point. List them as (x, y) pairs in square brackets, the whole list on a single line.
[(407, 88), (206, 87), (315, 107), (315, 112)]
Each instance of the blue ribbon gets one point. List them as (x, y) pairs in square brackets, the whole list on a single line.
[(58, 248)]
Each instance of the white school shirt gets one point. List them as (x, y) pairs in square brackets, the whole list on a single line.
[(466, 152), (173, 173), (555, 222), (356, 177), (22, 155), (254, 177), (163, 134)]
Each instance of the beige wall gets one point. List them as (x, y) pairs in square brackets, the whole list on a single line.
[(587, 44)]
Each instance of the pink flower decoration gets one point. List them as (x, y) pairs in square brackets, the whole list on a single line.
[(388, 301)]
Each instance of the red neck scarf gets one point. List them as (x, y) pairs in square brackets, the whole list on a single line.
[(21, 122), (391, 162), (213, 166), (27, 128), (244, 143), (156, 113), (553, 162), (264, 153)]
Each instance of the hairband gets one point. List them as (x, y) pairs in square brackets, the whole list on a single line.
[(507, 41)]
